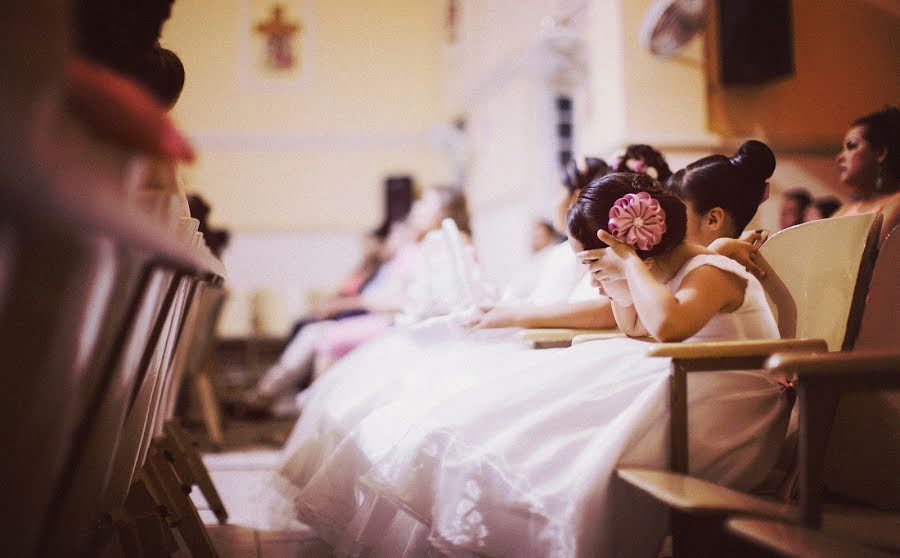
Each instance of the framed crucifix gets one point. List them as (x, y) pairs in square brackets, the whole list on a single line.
[(276, 45)]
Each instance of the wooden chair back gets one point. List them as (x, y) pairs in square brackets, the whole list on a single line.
[(826, 265), (147, 384), (50, 289), (864, 449), (106, 450), (209, 302)]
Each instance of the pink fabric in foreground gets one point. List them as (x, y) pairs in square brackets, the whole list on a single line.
[(350, 333)]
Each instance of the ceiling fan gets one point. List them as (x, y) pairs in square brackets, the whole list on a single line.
[(671, 24)]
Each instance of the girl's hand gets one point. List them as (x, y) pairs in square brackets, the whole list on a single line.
[(617, 291), (620, 249), (607, 263), (741, 251), (497, 317)]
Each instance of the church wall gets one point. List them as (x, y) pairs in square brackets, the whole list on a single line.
[(847, 63), (305, 169), (298, 174)]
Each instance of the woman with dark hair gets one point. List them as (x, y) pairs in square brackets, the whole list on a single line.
[(869, 163), (519, 460)]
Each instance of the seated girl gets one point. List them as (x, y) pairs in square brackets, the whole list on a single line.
[(559, 298), (381, 298), (520, 460), (722, 195)]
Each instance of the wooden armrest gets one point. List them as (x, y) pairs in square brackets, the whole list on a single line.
[(556, 337), (611, 334), (699, 497), (881, 366), (736, 349), (794, 540)]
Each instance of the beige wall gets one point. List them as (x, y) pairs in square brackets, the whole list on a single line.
[(312, 158), (300, 173), (847, 63)]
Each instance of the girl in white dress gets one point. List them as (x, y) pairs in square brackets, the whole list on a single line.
[(519, 461)]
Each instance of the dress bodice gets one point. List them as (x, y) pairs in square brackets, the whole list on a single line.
[(752, 320)]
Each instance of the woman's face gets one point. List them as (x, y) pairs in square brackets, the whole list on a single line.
[(564, 200), (857, 161)]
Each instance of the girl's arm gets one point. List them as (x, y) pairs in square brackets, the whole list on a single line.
[(747, 254), (703, 293), (589, 314), (623, 307)]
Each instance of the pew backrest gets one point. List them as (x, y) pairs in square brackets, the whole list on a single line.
[(826, 266)]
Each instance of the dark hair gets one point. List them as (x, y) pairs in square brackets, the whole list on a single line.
[(736, 184), (199, 208), (650, 157), (882, 130), (124, 36), (383, 230), (555, 237), (162, 73), (799, 195), (453, 201), (590, 212), (575, 178), (216, 238), (827, 206)]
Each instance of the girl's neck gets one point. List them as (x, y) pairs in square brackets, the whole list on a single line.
[(666, 266)]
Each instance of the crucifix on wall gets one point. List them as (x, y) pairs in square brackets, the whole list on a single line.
[(280, 33)]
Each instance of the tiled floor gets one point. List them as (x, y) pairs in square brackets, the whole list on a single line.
[(241, 479), (242, 468)]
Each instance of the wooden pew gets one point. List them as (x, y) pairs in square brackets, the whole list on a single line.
[(89, 312)]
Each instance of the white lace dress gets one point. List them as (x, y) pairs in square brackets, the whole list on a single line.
[(512, 453)]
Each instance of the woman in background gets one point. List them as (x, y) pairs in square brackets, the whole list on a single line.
[(822, 208), (869, 163), (793, 207), (384, 296)]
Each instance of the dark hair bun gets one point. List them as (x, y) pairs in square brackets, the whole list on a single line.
[(755, 160), (576, 178)]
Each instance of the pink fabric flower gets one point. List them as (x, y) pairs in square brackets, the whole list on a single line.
[(637, 220)]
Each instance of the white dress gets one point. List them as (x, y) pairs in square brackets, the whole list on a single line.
[(516, 456)]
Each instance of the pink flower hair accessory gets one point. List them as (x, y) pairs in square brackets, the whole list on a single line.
[(637, 220)]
